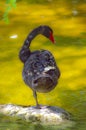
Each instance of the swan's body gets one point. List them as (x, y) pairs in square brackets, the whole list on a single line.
[(40, 71)]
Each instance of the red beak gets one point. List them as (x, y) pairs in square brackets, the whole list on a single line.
[(51, 37)]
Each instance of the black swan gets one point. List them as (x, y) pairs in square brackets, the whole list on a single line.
[(40, 71)]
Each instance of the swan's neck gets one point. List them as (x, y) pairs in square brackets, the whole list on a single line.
[(30, 37), (25, 51)]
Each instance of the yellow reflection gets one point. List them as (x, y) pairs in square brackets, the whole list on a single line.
[(60, 17)]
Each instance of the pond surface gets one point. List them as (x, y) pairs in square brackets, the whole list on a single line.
[(68, 24)]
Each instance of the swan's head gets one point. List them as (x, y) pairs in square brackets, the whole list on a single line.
[(47, 32)]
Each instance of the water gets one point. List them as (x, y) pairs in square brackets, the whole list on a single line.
[(7, 123), (68, 23)]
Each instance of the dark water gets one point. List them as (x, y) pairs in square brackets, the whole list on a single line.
[(67, 18)]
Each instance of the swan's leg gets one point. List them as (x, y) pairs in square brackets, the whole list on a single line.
[(35, 96)]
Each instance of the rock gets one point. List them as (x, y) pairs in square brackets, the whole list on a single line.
[(45, 115)]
